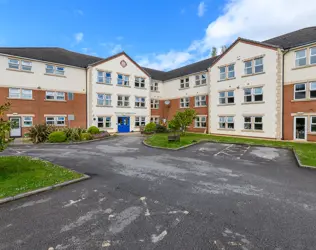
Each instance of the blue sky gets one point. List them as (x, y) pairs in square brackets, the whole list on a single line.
[(162, 34)]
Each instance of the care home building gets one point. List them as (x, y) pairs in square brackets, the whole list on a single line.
[(255, 89)]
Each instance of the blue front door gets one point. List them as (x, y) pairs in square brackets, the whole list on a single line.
[(123, 124)]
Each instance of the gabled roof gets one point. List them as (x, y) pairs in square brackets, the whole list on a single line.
[(52, 54), (156, 74), (295, 38)]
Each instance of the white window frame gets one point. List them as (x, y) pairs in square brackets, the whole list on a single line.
[(253, 94), (71, 96), (185, 83), (22, 65), (106, 121), (249, 67), (200, 80), (185, 102), (305, 90), (140, 102), (299, 58), (54, 70), (20, 93), (56, 96), (312, 89), (140, 81), (226, 121), (154, 86), (27, 119), (56, 120), (140, 121), (155, 119), (124, 81), (200, 121), (258, 65), (222, 75), (231, 71), (104, 76), (312, 55), (125, 102), (199, 102), (154, 104), (226, 97), (312, 124), (106, 99), (253, 123)]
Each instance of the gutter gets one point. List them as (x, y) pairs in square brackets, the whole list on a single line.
[(283, 67), (87, 119)]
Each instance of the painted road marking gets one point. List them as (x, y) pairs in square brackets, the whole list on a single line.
[(234, 151)]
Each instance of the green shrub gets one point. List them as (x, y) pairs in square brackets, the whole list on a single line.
[(93, 130), (161, 129), (150, 127), (40, 132), (86, 136), (73, 134), (57, 136)]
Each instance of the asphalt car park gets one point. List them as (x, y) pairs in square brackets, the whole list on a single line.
[(208, 196)]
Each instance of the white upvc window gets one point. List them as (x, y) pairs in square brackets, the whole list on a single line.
[(259, 65), (140, 102), (140, 121), (184, 102), (222, 73), (200, 79), (20, 64), (299, 91), (300, 58), (226, 122), (104, 122), (104, 99), (253, 123), (154, 86), (312, 58), (20, 93), (185, 83), (231, 71), (154, 104), (253, 94), (226, 97), (54, 95), (55, 70), (104, 77), (27, 121), (139, 82), (200, 122), (312, 90), (200, 101), (55, 120), (155, 119), (122, 80), (248, 67), (313, 124), (123, 101)]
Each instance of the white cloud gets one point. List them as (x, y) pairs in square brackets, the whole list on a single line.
[(89, 51), (78, 37), (201, 9), (119, 38), (112, 48), (79, 12), (253, 19)]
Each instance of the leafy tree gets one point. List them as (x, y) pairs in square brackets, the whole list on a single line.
[(223, 49), (214, 52), (182, 119), (5, 126)]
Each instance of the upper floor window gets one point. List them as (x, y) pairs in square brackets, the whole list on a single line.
[(227, 72), (300, 91), (222, 73), (259, 65), (56, 70), (104, 77), (248, 67), (154, 104), (253, 94), (200, 122), (231, 71), (122, 80), (253, 123), (226, 122), (154, 86), (104, 122), (55, 120), (51, 95), (140, 102), (20, 93), (200, 79), (200, 101), (184, 102), (313, 55), (140, 121), (139, 82), (123, 101), (104, 99), (300, 58), (226, 97), (20, 64), (71, 96), (254, 66), (184, 83), (312, 90)]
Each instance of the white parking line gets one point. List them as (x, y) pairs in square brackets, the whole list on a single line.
[(233, 150), (224, 149)]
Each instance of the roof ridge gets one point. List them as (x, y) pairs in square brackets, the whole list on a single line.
[(289, 33)]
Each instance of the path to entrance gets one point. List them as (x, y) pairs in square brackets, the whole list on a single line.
[(208, 196)]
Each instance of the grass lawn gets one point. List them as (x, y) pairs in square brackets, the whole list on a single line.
[(20, 174), (305, 151)]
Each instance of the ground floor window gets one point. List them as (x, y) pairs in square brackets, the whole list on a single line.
[(313, 124), (104, 122), (226, 122), (27, 121), (200, 122), (55, 120), (140, 121), (253, 123), (154, 119)]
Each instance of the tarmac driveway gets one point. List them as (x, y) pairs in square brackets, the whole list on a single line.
[(208, 196)]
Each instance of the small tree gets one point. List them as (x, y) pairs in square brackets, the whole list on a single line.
[(214, 52), (223, 49), (5, 126), (183, 119)]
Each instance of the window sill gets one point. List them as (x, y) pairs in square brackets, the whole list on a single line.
[(226, 104), (226, 129), (252, 131), (304, 100), (140, 88), (23, 99), (54, 75), (104, 106), (184, 107), (48, 100), (124, 107), (200, 127), (155, 91), (311, 133), (103, 83), (140, 107), (202, 106), (155, 108), (246, 103), (227, 79), (123, 86), (305, 66), (202, 85), (254, 74), (21, 70), (184, 88)]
